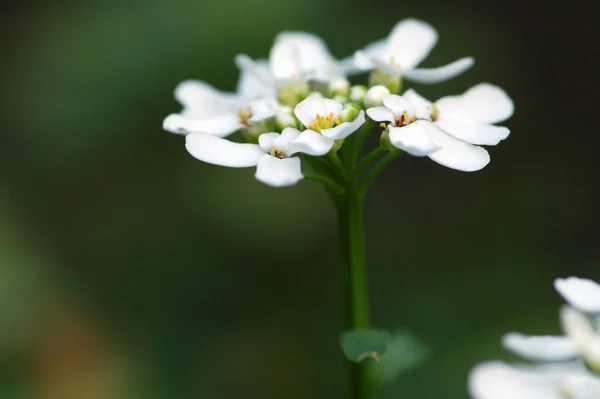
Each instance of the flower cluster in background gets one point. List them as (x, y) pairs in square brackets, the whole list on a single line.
[(300, 103), (563, 367)]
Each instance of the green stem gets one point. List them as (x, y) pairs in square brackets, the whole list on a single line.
[(361, 136), (370, 157), (325, 180), (353, 254), (379, 166)]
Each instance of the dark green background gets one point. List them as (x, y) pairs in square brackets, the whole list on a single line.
[(130, 270)]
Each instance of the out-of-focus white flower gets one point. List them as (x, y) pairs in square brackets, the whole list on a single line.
[(272, 156), (582, 334), (375, 95), (208, 110), (323, 117), (421, 137), (409, 43), (582, 294), (548, 348), (497, 380)]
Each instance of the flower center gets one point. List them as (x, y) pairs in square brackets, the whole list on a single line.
[(393, 62), (277, 153), (404, 119), (244, 116), (322, 122)]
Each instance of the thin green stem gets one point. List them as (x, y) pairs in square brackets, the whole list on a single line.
[(350, 217), (374, 172), (370, 157), (338, 164), (325, 180), (361, 136)]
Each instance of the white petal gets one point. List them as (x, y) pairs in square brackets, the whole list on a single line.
[(484, 102), (582, 294), (543, 348), (262, 109), (218, 151), (496, 380), (285, 139), (307, 110), (381, 114), (580, 386), (300, 55), (203, 99), (440, 74), (409, 43), (398, 105), (362, 58), (457, 154), (414, 138), (345, 129), (277, 172), (581, 331), (422, 106), (255, 79), (469, 130), (379, 63), (220, 126), (311, 143), (266, 141)]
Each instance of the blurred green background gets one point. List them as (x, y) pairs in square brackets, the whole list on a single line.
[(130, 270)]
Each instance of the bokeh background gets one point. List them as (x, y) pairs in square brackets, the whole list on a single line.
[(130, 270)]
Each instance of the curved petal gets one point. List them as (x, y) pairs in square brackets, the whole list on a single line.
[(440, 74), (584, 386), (580, 330), (262, 109), (277, 172), (398, 105), (497, 380), (484, 102), (582, 294), (409, 42), (266, 141), (311, 143), (345, 129), (255, 79), (308, 109), (540, 348), (457, 154), (218, 151), (202, 98), (471, 131), (422, 106), (221, 126), (285, 139), (381, 114), (414, 139), (300, 55)]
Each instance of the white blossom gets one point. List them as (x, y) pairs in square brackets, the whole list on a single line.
[(272, 156), (375, 95), (409, 43), (421, 137), (582, 294)]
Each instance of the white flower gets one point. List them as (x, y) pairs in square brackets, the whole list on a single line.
[(470, 116), (584, 337), (295, 56), (423, 138), (321, 116), (375, 95), (409, 43), (548, 348), (208, 110), (272, 156), (497, 380), (582, 294)]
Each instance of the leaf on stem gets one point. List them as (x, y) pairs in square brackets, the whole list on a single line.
[(363, 343)]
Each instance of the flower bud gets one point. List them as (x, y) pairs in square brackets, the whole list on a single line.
[(283, 120), (379, 77), (293, 93), (375, 95), (339, 87), (385, 143), (349, 113), (357, 93)]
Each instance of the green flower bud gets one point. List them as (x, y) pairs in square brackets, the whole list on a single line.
[(285, 120), (339, 87), (375, 95), (379, 77), (337, 145), (357, 93), (294, 93), (349, 113), (385, 143)]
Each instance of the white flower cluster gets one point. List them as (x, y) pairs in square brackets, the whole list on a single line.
[(565, 367), (300, 101)]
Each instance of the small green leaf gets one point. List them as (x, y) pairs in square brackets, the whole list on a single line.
[(403, 353), (361, 344)]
